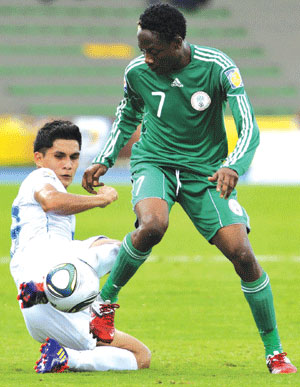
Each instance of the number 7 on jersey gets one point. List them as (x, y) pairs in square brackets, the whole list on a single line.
[(162, 96)]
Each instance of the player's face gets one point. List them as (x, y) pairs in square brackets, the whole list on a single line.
[(161, 57), (62, 158)]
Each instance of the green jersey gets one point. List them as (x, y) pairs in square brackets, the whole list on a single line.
[(182, 115)]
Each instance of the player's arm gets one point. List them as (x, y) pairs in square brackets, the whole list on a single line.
[(237, 162), (64, 203), (128, 116), (248, 133)]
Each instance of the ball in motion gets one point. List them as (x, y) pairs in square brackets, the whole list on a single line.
[(71, 286)]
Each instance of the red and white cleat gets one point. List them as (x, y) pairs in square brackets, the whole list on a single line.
[(102, 322), (279, 363)]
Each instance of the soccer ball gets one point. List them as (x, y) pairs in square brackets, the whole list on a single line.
[(72, 286)]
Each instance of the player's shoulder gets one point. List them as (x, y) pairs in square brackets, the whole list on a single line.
[(136, 66), (38, 176), (33, 180), (42, 173), (212, 57)]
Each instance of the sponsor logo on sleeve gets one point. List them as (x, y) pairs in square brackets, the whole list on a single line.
[(125, 85), (234, 78)]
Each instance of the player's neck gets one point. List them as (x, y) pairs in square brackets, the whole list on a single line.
[(185, 57)]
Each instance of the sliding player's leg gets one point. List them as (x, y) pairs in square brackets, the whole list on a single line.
[(71, 340), (98, 251), (124, 353)]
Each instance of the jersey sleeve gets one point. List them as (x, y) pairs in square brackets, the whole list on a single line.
[(128, 116), (247, 129), (43, 176)]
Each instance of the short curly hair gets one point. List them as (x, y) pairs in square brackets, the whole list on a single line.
[(165, 20)]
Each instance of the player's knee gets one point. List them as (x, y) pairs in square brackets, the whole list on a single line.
[(241, 254), (143, 359), (244, 262), (153, 229)]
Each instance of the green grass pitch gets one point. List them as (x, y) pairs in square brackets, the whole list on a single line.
[(185, 303)]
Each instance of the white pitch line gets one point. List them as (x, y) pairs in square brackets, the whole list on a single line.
[(4, 260), (199, 258), (220, 258)]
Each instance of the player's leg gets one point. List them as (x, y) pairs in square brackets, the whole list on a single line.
[(124, 353), (225, 224), (230, 236), (152, 200), (71, 340), (99, 252), (140, 350), (233, 242), (72, 330), (153, 216), (69, 329)]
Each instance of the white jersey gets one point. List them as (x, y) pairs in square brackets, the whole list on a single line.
[(30, 223), (41, 240)]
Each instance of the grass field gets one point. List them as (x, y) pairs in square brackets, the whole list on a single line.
[(185, 303)]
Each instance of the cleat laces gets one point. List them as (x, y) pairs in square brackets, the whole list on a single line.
[(279, 363)]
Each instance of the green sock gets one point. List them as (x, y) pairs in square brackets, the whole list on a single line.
[(129, 259), (259, 296)]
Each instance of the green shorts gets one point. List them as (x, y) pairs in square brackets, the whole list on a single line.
[(197, 196)]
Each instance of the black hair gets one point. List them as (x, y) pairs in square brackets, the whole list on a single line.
[(165, 20), (55, 130)]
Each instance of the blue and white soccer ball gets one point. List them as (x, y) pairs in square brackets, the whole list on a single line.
[(72, 286)]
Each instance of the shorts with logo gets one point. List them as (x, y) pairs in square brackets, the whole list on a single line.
[(197, 196)]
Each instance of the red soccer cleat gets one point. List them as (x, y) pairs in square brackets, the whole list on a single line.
[(279, 363), (102, 323)]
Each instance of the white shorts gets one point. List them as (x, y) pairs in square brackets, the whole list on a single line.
[(71, 330), (32, 264)]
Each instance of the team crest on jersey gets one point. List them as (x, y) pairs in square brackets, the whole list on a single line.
[(235, 207), (200, 100), (234, 77)]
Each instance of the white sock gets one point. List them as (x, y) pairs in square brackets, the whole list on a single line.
[(101, 359)]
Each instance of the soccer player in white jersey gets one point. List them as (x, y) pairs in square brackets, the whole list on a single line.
[(43, 225), (178, 91)]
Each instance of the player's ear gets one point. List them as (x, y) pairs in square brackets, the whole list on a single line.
[(38, 159), (177, 42)]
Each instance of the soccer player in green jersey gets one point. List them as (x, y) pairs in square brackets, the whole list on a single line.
[(178, 91)]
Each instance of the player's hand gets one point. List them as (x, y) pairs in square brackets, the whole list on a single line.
[(226, 179), (91, 176), (107, 195)]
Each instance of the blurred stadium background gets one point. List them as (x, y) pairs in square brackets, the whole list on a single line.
[(65, 58)]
